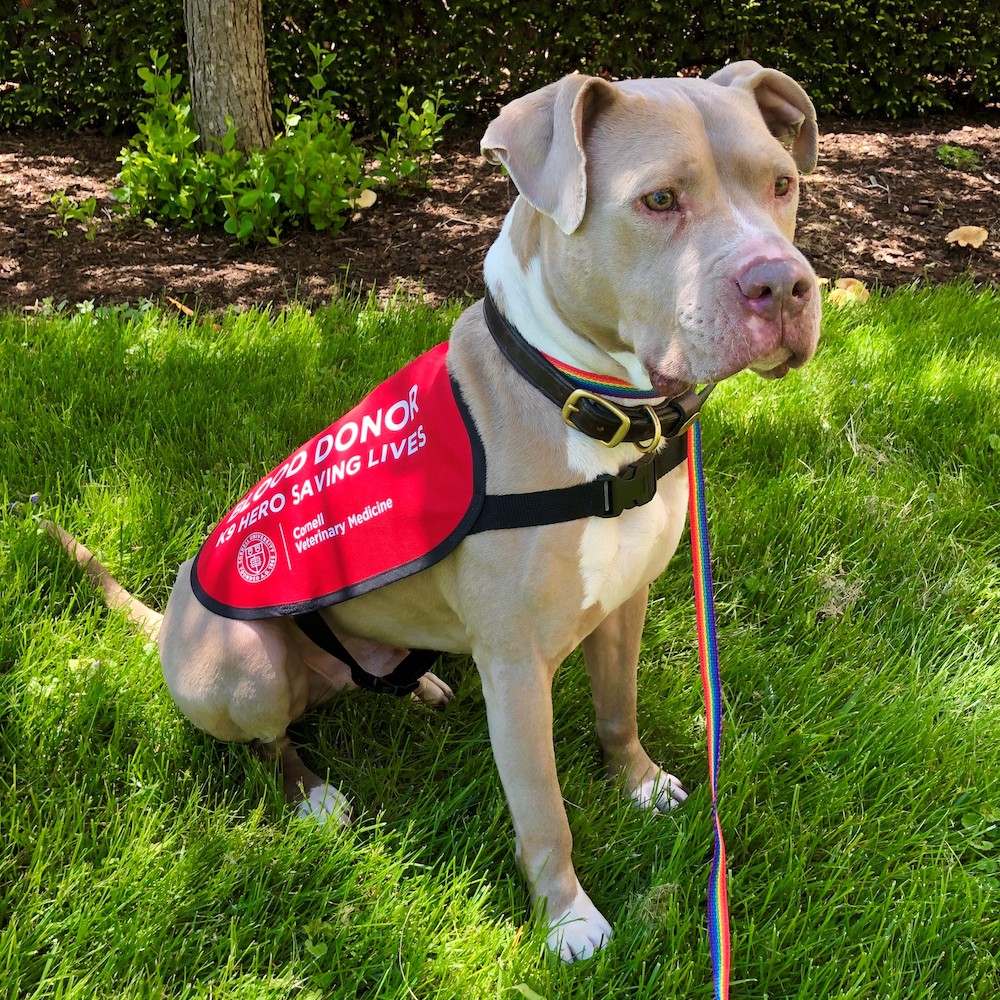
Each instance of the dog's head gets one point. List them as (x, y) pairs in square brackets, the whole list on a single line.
[(663, 212)]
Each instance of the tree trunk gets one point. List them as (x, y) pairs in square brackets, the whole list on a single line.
[(225, 42)]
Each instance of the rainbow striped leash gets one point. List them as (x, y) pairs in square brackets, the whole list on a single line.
[(708, 655)]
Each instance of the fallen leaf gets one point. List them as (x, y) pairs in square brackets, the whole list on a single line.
[(366, 199), (968, 236), (848, 291), (187, 310)]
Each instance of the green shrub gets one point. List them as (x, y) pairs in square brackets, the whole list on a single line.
[(162, 174), (957, 157), (73, 212), (313, 173), (406, 155), (75, 64)]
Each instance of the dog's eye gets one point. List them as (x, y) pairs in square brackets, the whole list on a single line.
[(660, 201), (782, 186)]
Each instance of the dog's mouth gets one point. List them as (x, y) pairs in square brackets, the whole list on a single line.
[(773, 366), (778, 371), (669, 388), (778, 364)]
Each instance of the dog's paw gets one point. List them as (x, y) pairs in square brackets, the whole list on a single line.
[(325, 805), (578, 932), (661, 792), (433, 690)]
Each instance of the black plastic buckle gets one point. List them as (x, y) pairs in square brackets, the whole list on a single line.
[(634, 486)]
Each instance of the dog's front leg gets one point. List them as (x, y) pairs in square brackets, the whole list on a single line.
[(519, 708), (611, 652)]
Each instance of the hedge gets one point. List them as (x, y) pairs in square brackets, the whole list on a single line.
[(74, 64)]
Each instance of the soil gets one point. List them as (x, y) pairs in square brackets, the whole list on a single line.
[(878, 208)]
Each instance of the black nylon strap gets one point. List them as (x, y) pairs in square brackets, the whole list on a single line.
[(606, 496), (403, 679)]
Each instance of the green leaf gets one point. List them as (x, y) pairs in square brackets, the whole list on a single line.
[(317, 949), (250, 198), (526, 991)]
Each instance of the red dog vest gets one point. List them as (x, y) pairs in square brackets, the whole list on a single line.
[(388, 490)]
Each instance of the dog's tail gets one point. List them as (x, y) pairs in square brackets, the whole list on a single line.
[(115, 595)]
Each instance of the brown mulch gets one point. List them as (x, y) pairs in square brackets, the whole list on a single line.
[(878, 208)]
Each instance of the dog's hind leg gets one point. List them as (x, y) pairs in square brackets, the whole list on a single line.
[(311, 796), (247, 682), (611, 652)]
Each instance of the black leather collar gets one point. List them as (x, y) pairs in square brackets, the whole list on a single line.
[(594, 415)]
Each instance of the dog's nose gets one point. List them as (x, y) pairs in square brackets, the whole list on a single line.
[(771, 288)]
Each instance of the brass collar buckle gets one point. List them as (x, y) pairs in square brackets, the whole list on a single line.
[(624, 423), (571, 406)]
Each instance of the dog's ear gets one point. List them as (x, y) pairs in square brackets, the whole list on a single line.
[(540, 139), (784, 106)]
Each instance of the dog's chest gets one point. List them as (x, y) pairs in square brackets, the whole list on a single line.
[(620, 555)]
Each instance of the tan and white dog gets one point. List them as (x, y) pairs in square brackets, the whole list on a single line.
[(651, 241)]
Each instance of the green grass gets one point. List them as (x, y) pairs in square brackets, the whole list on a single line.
[(855, 518)]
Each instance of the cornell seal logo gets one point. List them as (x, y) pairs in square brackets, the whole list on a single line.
[(256, 558)]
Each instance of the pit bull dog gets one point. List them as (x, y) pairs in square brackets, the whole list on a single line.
[(650, 247)]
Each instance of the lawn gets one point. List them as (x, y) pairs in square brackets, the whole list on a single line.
[(855, 519)]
